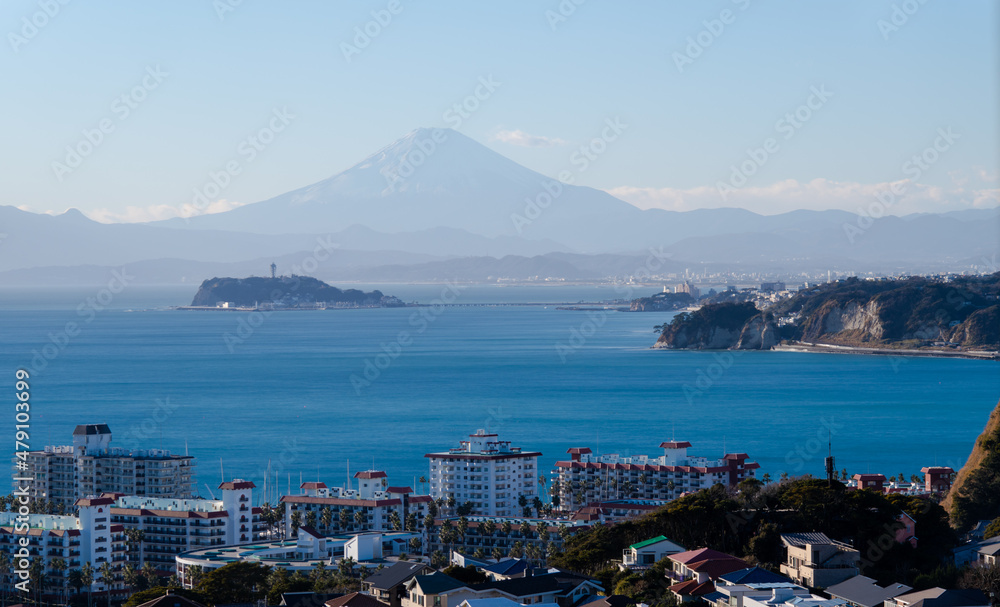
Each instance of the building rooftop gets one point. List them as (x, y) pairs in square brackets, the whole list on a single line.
[(861, 590), (395, 575), (91, 429)]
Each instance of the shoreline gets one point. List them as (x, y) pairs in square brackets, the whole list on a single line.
[(925, 352)]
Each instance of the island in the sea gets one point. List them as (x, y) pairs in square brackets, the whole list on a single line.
[(958, 316), (284, 293)]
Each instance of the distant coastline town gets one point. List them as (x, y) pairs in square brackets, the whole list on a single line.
[(485, 528)]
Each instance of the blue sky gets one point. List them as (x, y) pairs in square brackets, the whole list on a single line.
[(891, 91)]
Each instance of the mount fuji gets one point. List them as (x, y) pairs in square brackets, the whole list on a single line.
[(434, 178)]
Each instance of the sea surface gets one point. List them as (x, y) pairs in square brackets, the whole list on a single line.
[(321, 394)]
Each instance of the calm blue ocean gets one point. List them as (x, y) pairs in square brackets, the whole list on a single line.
[(236, 390)]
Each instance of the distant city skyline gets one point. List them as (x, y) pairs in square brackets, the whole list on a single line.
[(121, 111)]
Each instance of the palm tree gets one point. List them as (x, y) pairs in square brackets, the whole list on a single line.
[(296, 522), (326, 518), (5, 568), (36, 571), (135, 537), (359, 518), (108, 578), (415, 544), (150, 575), (497, 553), (766, 478), (196, 573), (345, 518), (505, 527), (311, 518), (87, 577), (423, 480), (525, 529), (75, 579), (346, 566), (130, 576), (463, 526), (58, 565)]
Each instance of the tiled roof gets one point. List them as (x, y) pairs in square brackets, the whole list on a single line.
[(799, 540), (863, 591), (394, 575), (369, 474), (753, 575), (237, 485), (675, 445), (355, 599), (701, 554)]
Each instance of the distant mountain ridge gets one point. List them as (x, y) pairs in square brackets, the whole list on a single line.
[(458, 200)]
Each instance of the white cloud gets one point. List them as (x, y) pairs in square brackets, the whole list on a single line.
[(818, 194), (519, 137), (156, 212)]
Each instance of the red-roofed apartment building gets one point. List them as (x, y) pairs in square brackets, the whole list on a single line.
[(587, 478), (172, 526), (373, 506), (695, 571), (90, 537)]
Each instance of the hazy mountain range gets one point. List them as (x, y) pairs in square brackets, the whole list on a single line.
[(437, 205)]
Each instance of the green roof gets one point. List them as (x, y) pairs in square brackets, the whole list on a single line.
[(659, 538)]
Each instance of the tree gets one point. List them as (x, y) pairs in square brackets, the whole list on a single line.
[(525, 529), (496, 553), (346, 566), (150, 575), (428, 522), (311, 518), (326, 518), (87, 578), (135, 537), (75, 579), (993, 529), (296, 522), (131, 577), (423, 480), (463, 526), (517, 550), (239, 582), (58, 565), (345, 518), (415, 544), (360, 519), (537, 504), (505, 528), (411, 521), (487, 527), (107, 578)]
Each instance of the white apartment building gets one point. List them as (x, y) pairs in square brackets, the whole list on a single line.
[(90, 537), (173, 526), (373, 506), (587, 478), (486, 472), (91, 466)]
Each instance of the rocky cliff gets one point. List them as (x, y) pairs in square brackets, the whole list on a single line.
[(957, 313), (719, 327)]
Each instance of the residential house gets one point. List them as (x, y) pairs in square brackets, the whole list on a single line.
[(555, 587), (816, 561), (861, 591), (939, 597), (644, 554), (355, 599), (695, 572), (389, 585), (786, 598), (753, 582)]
